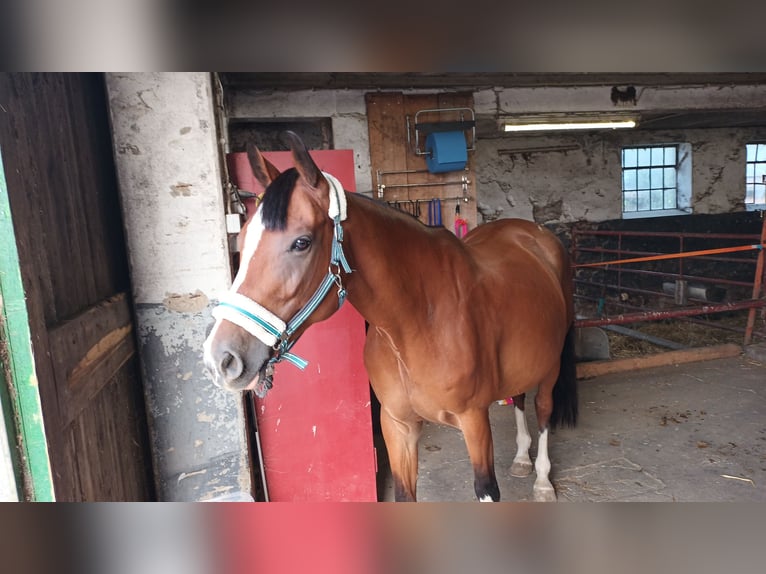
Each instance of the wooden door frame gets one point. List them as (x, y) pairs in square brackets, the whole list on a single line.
[(22, 409)]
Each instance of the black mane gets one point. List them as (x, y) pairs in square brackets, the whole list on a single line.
[(276, 198)]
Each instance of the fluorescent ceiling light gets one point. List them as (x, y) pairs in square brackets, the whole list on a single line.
[(559, 126)]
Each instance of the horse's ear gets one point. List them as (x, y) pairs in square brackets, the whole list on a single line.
[(263, 170), (303, 162)]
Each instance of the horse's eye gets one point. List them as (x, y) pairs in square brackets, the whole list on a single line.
[(301, 244)]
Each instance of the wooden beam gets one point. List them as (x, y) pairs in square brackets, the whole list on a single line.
[(599, 368), (475, 80)]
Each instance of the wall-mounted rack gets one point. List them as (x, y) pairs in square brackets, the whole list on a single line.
[(436, 210), (462, 198), (400, 125), (425, 128), (464, 181)]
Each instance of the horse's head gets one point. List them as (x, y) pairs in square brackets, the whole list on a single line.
[(283, 279)]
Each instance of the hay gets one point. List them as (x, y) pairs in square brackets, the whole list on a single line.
[(679, 331)]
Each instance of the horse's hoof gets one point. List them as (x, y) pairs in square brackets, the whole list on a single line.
[(544, 494), (520, 469)]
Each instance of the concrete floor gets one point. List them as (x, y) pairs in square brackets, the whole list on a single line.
[(661, 434)]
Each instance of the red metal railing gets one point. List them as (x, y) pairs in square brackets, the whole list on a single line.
[(612, 267)]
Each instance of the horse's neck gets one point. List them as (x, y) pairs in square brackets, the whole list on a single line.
[(397, 262)]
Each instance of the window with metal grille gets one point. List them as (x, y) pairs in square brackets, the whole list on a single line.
[(755, 176), (649, 178)]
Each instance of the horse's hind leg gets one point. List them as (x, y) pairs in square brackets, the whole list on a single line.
[(522, 464), (543, 489), (478, 440), (401, 436)]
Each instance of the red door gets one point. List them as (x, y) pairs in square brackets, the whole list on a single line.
[(315, 425)]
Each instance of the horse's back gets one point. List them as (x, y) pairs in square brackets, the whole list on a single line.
[(510, 243)]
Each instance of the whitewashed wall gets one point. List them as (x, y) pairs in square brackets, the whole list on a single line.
[(581, 184), (346, 108)]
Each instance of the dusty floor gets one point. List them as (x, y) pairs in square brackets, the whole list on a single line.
[(694, 432)]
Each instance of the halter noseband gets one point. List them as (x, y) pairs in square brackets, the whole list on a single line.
[(270, 329)]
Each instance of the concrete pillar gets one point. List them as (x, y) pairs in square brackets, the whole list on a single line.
[(170, 184)]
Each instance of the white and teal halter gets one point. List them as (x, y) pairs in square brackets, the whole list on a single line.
[(265, 325)]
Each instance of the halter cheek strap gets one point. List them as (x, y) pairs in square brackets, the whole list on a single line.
[(270, 329)]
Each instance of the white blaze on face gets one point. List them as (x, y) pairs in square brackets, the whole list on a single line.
[(253, 236), (255, 230)]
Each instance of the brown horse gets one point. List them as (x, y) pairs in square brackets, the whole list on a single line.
[(454, 325)]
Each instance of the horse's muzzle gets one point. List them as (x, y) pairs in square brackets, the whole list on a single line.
[(237, 362)]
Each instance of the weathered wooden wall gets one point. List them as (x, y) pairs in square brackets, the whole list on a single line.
[(56, 147)]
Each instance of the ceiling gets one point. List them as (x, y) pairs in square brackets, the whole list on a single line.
[(677, 119), (475, 80)]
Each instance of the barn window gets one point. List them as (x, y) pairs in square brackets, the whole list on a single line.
[(755, 176), (656, 180)]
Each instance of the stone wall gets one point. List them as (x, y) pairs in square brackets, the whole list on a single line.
[(574, 177)]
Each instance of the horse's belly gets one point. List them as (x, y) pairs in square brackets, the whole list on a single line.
[(441, 395), (526, 364)]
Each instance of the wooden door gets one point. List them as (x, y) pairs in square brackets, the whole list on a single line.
[(56, 149), (316, 425)]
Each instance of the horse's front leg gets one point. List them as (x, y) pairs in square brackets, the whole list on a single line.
[(401, 436), (478, 439)]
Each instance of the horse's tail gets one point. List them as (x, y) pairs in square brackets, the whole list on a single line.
[(565, 389)]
